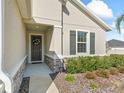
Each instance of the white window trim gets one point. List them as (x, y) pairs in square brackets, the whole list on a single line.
[(87, 42)]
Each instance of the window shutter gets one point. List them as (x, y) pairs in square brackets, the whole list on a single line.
[(72, 42), (92, 43)]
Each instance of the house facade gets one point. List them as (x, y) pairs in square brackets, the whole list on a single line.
[(46, 31), (115, 47)]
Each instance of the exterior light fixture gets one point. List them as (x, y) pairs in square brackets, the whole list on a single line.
[(63, 2)]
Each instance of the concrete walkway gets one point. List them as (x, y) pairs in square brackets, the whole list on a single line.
[(40, 80)]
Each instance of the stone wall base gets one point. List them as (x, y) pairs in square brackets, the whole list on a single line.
[(17, 79), (56, 65)]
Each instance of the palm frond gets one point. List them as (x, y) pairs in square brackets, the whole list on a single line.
[(119, 20)]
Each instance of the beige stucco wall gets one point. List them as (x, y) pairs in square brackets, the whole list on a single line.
[(49, 41), (46, 11), (75, 16), (78, 20), (14, 37), (57, 40)]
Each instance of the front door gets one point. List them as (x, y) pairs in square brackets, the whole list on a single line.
[(36, 48)]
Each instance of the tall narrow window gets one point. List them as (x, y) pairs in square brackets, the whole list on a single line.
[(81, 42)]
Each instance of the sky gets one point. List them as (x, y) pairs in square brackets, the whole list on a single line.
[(109, 11)]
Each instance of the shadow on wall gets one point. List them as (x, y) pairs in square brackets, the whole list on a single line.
[(49, 35)]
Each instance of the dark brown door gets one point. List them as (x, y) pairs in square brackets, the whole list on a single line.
[(36, 48)]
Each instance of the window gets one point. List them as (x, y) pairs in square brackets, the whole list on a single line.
[(78, 42), (81, 42)]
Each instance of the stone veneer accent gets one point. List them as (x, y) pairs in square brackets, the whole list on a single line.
[(24, 88), (56, 65), (17, 79)]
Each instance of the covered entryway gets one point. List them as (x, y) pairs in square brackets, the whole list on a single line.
[(38, 41), (43, 45)]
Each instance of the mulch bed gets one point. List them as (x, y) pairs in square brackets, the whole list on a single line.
[(24, 88), (114, 84)]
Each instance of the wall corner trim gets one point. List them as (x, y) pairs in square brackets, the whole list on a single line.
[(7, 81)]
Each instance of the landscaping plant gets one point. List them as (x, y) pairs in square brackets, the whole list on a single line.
[(103, 73), (70, 78), (94, 86), (114, 71), (121, 69), (90, 75), (84, 64)]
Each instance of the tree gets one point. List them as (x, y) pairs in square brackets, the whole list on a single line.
[(119, 20)]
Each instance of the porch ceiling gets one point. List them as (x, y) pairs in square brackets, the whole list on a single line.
[(38, 27)]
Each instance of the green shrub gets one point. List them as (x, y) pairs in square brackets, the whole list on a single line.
[(117, 60), (69, 78), (74, 66), (84, 64)]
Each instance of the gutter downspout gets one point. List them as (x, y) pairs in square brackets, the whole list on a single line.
[(3, 74), (62, 29)]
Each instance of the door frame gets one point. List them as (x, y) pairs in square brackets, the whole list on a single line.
[(42, 37)]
